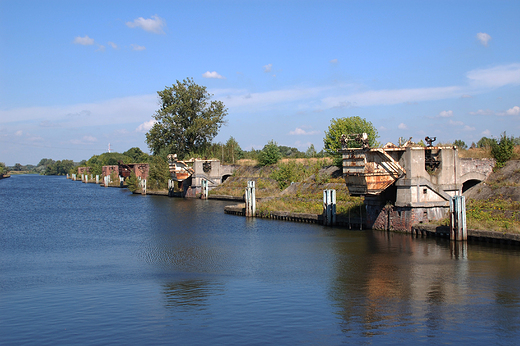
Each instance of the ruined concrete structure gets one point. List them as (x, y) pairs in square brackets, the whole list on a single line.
[(411, 184), (210, 170), (141, 170), (84, 170)]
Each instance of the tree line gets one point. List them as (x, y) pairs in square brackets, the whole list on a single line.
[(188, 120)]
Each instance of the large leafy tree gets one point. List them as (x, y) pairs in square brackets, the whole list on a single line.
[(346, 126), (187, 121)]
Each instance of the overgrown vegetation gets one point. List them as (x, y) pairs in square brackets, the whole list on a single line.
[(291, 171), (270, 154), (496, 214), (308, 199), (503, 149)]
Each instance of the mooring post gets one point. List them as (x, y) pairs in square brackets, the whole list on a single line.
[(458, 228), (97, 179), (205, 189), (329, 207), (250, 199), (170, 187), (144, 186)]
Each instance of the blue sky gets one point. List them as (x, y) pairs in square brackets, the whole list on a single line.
[(78, 75)]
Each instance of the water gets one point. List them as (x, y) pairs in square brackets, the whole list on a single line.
[(81, 264)]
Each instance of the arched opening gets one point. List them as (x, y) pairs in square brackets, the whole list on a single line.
[(468, 184), (224, 177)]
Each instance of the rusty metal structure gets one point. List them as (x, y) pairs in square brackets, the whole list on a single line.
[(408, 184), (180, 170)]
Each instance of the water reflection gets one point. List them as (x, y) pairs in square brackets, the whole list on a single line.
[(190, 294), (395, 279)]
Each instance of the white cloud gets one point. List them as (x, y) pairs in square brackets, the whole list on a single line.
[(112, 44), (482, 112), (469, 128), (244, 100), (85, 41), (392, 97), (483, 38), (154, 24), (268, 68), (101, 48), (334, 61), (84, 140), (299, 131), (89, 139), (213, 74), (18, 133), (455, 123), (146, 126), (402, 126), (137, 47), (512, 111), (125, 110), (495, 76), (486, 132), (466, 96), (446, 114)]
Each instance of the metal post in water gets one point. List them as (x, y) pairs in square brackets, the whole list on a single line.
[(250, 199), (144, 186), (458, 228), (329, 207), (205, 189), (97, 179)]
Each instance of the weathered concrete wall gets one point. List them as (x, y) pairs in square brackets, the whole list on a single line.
[(141, 170), (107, 170), (84, 170), (215, 175), (476, 169)]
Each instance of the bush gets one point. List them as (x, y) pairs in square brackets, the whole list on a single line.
[(270, 154), (503, 150), (159, 173), (132, 182)]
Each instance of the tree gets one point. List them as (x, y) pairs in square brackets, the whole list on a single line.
[(232, 151), (270, 154), (503, 150), (345, 126), (159, 173), (485, 142), (186, 121), (311, 151), (461, 144), (137, 155)]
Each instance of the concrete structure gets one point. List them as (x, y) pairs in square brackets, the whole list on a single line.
[(408, 185), (210, 170), (84, 170), (107, 170)]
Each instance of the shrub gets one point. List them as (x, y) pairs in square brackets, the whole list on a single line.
[(503, 150), (132, 182), (270, 154)]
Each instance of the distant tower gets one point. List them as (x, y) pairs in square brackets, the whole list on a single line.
[(109, 149)]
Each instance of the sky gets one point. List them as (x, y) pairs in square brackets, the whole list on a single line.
[(78, 76)]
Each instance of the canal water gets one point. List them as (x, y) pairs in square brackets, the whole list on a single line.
[(82, 264)]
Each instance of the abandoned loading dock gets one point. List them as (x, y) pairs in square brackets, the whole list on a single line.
[(409, 184)]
